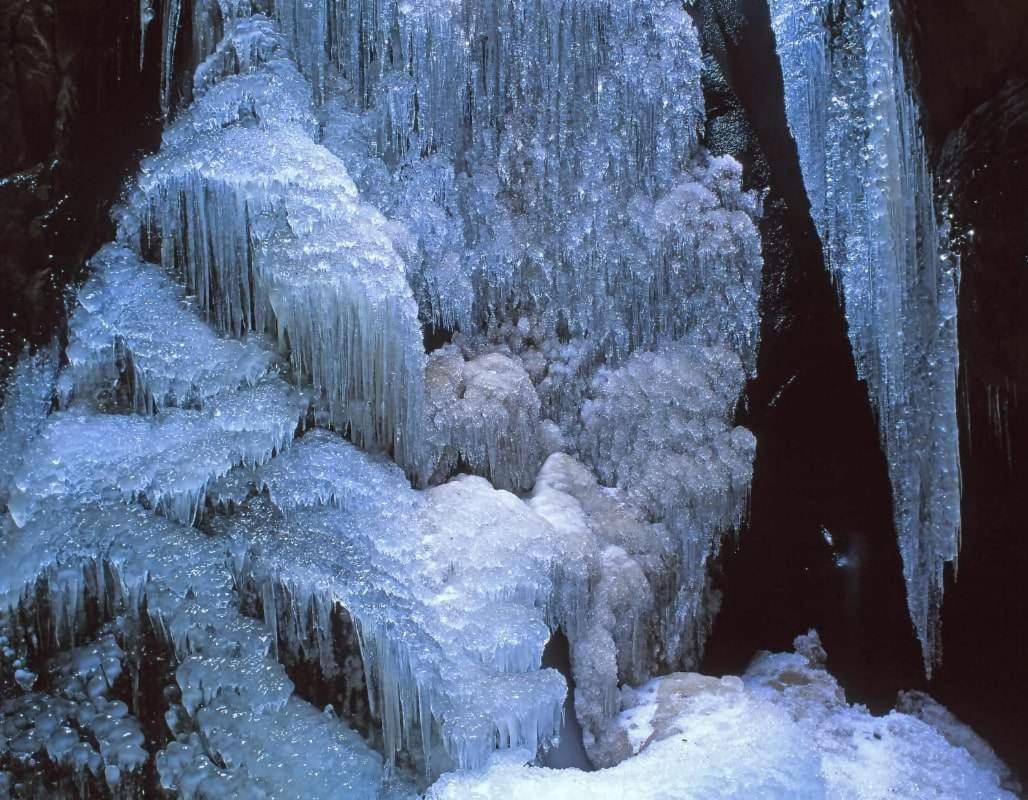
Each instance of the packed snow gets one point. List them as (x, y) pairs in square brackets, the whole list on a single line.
[(784, 730)]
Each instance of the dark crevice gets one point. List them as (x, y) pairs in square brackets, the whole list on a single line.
[(569, 753)]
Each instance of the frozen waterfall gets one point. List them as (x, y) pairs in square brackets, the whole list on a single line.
[(259, 540)]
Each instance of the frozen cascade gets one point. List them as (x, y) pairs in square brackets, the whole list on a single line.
[(237, 725), (266, 228), (334, 177), (846, 93), (573, 189)]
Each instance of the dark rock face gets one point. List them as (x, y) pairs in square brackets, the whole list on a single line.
[(77, 111), (971, 62), (819, 463)]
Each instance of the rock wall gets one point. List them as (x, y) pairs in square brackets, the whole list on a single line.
[(78, 108)]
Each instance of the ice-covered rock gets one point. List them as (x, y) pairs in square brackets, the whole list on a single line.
[(78, 725), (236, 722)]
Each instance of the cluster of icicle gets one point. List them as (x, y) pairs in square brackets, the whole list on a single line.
[(334, 178), (862, 152)]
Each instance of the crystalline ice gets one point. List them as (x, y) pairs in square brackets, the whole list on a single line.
[(574, 188), (78, 724), (449, 591), (266, 229), (236, 699), (133, 323), (166, 460), (483, 415), (847, 93), (660, 429)]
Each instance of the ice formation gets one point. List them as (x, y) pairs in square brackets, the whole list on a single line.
[(784, 730), (660, 429), (133, 328), (446, 596), (864, 164), (79, 727), (28, 395), (482, 415), (266, 228), (312, 559), (233, 723)]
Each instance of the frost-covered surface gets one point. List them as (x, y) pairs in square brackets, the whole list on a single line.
[(660, 428), (863, 157), (483, 416), (132, 324), (783, 731)]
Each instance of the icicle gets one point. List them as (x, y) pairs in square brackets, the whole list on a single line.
[(848, 95), (169, 31), (146, 15)]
